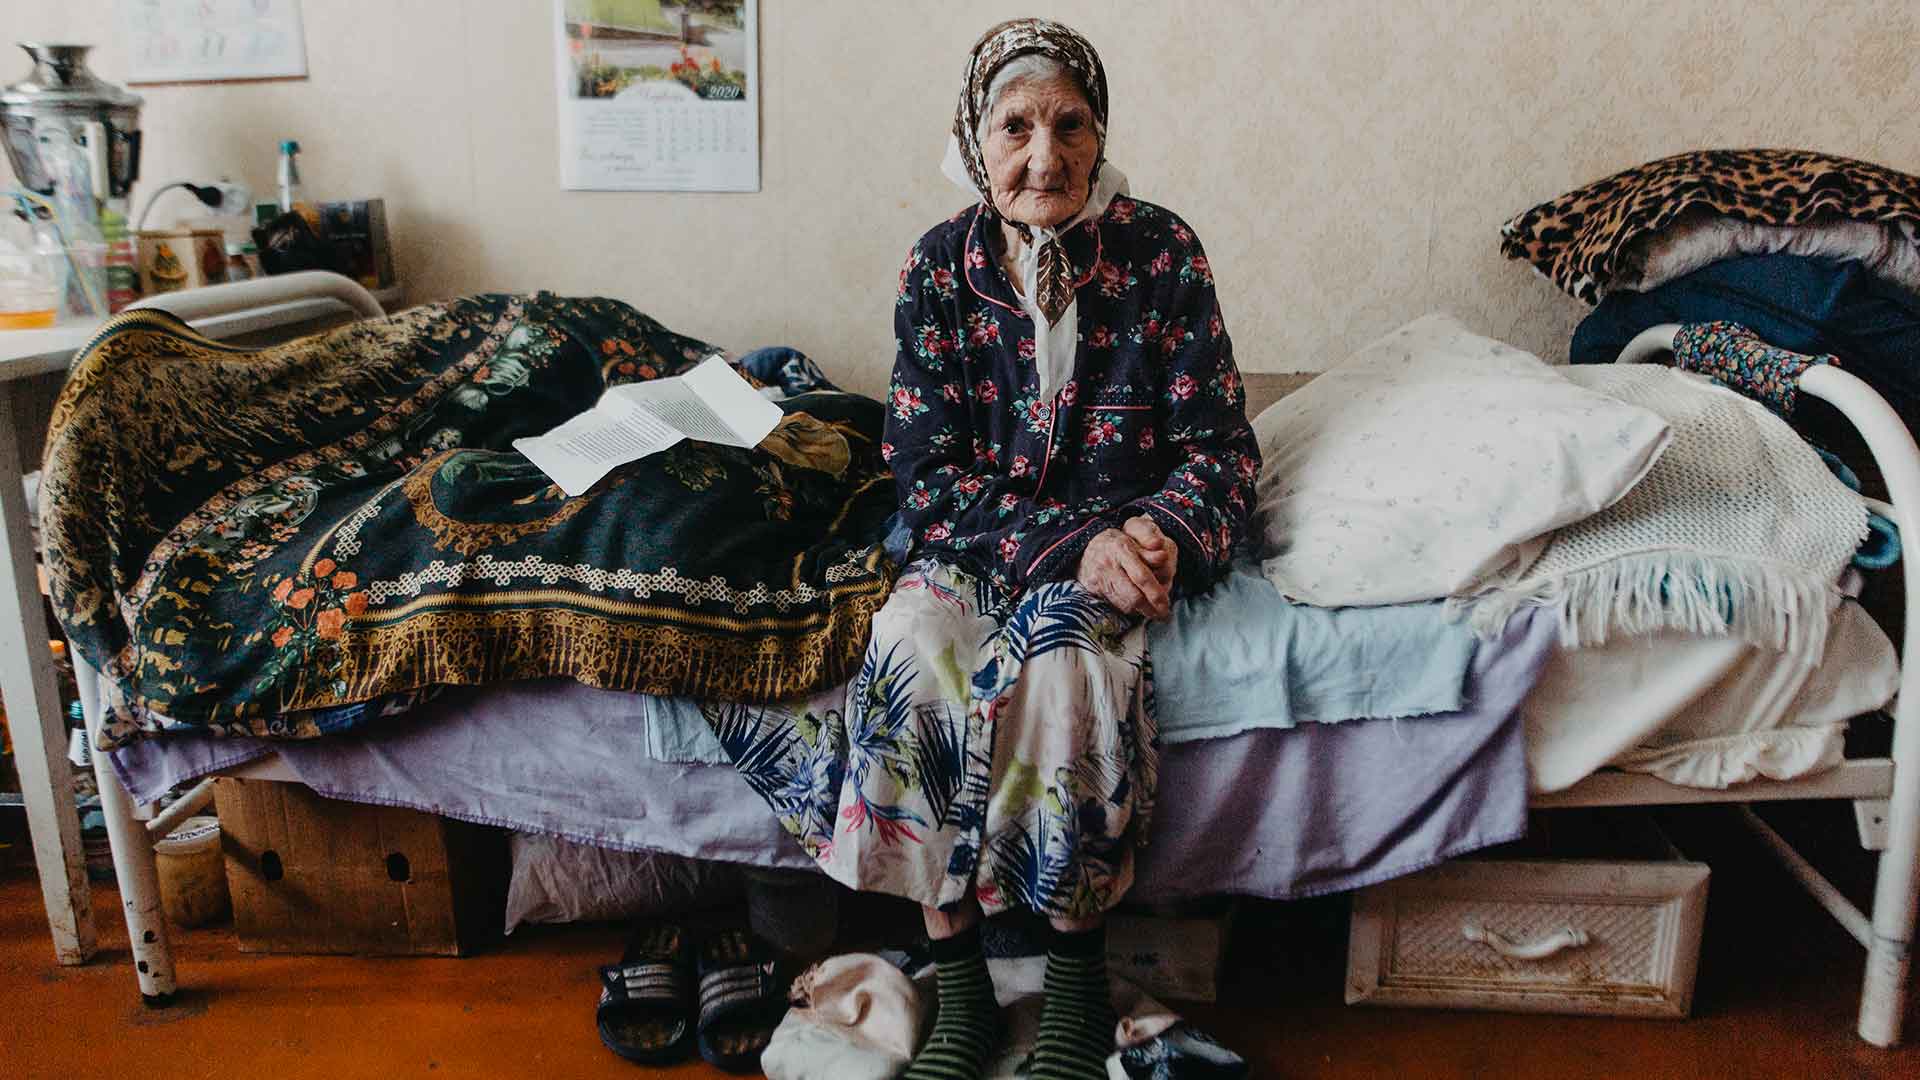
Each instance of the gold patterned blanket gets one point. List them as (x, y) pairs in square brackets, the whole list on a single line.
[(272, 542)]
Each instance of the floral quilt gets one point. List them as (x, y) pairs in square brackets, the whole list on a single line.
[(247, 541)]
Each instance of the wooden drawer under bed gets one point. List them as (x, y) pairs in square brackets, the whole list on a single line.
[(1592, 936)]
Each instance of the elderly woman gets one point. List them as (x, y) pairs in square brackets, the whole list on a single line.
[(1069, 438)]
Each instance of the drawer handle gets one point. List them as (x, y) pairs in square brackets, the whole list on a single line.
[(1559, 941)]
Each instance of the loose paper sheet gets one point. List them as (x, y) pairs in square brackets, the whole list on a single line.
[(658, 96), (711, 403), (207, 40)]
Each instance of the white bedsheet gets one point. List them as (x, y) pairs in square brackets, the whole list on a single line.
[(1704, 712)]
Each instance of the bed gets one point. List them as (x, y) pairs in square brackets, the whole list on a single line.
[(1885, 788)]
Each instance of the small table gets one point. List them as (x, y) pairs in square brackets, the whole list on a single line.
[(27, 681)]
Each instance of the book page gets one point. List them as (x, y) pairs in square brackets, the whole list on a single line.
[(673, 402), (711, 403), (581, 451)]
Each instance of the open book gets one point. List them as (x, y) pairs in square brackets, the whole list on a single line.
[(711, 403)]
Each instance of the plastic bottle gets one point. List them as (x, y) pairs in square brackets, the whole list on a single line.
[(64, 676), (293, 198), (79, 750), (123, 267), (290, 189)]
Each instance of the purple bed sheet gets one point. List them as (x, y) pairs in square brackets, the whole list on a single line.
[(1274, 813)]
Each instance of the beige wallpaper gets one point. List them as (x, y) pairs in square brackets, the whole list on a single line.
[(1347, 164)]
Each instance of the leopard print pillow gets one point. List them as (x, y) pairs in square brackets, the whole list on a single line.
[(1576, 240)]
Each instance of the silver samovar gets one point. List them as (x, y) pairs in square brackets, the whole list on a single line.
[(62, 104)]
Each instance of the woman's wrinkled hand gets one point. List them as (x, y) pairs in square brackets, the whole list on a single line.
[(1161, 553), (1115, 568)]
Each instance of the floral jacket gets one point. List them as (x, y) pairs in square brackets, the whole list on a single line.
[(1153, 421)]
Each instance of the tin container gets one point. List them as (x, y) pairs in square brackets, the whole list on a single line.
[(193, 876), (175, 259)]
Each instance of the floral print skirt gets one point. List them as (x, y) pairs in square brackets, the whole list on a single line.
[(1012, 753)]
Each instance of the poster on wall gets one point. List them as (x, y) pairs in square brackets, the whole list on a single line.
[(658, 95), (213, 40)]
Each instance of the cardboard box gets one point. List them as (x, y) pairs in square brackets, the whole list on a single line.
[(316, 875), (1175, 953)]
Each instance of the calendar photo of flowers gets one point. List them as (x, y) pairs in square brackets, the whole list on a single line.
[(654, 48)]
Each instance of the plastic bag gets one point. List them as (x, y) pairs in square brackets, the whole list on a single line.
[(855, 1017)]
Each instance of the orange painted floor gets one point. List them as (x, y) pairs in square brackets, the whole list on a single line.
[(1777, 994)]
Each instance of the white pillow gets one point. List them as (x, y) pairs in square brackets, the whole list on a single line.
[(1431, 460), (562, 881)]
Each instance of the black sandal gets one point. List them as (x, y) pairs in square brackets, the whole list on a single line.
[(645, 998), (742, 999)]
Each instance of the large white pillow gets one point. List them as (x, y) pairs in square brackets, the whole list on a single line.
[(1431, 460)]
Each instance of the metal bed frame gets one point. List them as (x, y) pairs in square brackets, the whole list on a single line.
[(1885, 791), (26, 668), (132, 830)]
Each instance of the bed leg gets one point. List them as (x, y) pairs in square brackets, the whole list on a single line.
[(1896, 892), (1883, 998), (133, 865)]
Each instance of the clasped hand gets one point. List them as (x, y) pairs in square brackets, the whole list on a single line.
[(1132, 568)]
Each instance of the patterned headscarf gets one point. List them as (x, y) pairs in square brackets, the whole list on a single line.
[(1018, 37)]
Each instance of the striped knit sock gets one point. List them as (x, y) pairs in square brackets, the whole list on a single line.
[(966, 1029), (1076, 1023)]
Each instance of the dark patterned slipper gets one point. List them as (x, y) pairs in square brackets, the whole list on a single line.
[(1182, 1052), (646, 999), (742, 999)]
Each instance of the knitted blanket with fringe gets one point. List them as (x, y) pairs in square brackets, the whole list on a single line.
[(1739, 529)]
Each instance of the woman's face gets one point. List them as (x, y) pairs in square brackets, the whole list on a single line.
[(1039, 151)]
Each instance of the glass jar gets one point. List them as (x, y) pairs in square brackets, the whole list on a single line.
[(240, 262), (32, 276)]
